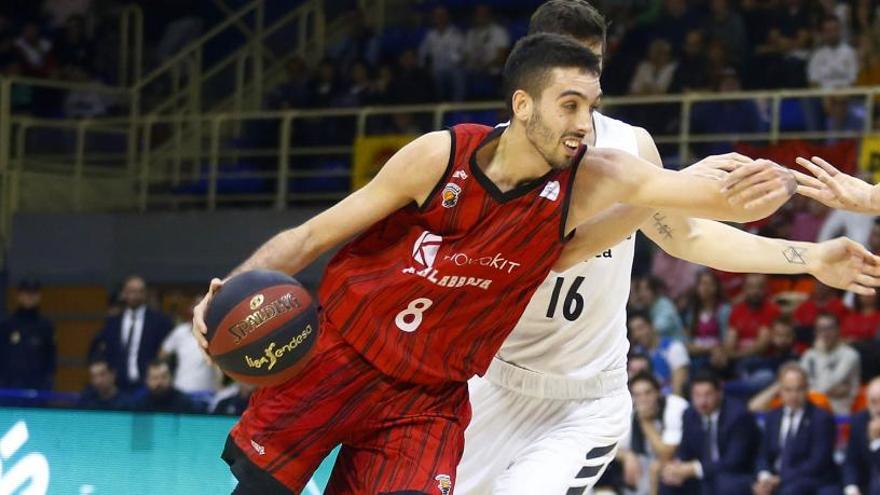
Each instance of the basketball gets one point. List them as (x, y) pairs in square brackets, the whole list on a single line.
[(262, 326)]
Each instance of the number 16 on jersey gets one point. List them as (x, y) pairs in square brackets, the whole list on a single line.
[(572, 305)]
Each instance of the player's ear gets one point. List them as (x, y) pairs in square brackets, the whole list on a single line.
[(523, 105)]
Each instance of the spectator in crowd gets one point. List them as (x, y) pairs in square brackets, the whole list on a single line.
[(102, 391), (692, 71), (669, 358), (677, 274), (485, 50), (294, 91), (728, 27), (161, 395), (755, 373), (655, 434), (706, 319), (443, 51), (833, 63), (861, 469), (725, 116), (718, 444), (74, 50), (823, 299), (85, 102), (359, 90), (325, 87), (797, 444), (782, 46), (862, 323), (654, 74), (34, 52), (192, 372), (359, 44), (411, 83), (750, 320), (59, 12), (131, 340), (832, 366), (676, 19), (856, 226), (807, 219), (235, 403), (637, 362), (841, 116), (647, 295), (8, 53), (27, 343), (182, 22)]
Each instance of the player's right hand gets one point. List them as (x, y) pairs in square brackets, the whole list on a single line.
[(759, 184), (199, 327), (717, 167)]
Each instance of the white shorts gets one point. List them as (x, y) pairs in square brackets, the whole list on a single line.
[(522, 442)]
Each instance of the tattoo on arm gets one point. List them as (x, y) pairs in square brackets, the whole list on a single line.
[(795, 255), (662, 227)]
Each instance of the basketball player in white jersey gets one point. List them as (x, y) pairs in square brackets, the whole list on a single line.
[(550, 411)]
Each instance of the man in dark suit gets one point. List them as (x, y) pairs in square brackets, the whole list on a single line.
[(131, 340), (160, 394), (861, 470), (798, 443), (718, 445)]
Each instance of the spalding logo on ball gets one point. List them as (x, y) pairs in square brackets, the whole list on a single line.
[(262, 326)]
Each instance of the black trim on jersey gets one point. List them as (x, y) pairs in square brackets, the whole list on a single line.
[(575, 166), (440, 184), (489, 186)]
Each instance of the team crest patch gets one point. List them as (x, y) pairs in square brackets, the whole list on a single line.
[(444, 483), (450, 195)]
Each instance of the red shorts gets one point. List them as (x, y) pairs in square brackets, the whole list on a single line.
[(395, 436)]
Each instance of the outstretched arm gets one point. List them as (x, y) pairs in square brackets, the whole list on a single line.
[(836, 189)]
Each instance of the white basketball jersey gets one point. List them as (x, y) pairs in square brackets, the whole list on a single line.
[(575, 324)]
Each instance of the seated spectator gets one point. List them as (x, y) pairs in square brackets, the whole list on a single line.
[(841, 116), (861, 469), (654, 74), (654, 436), (360, 43), (755, 373), (325, 87), (677, 274), (34, 52), (862, 323), (442, 51), (161, 395), (647, 295), (236, 403), (807, 221), (824, 299), (728, 27), (692, 72), (718, 444), (636, 363), (798, 443), (485, 49), (832, 366), (102, 392), (725, 116), (294, 91), (782, 46), (74, 51), (669, 358), (833, 63), (411, 84), (706, 318), (856, 226), (750, 320), (27, 343), (192, 373), (359, 88)]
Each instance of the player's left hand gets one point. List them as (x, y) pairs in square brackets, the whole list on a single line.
[(844, 264), (759, 184)]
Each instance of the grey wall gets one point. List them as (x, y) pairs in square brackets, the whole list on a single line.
[(63, 248)]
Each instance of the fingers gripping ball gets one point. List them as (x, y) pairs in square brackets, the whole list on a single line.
[(262, 326)]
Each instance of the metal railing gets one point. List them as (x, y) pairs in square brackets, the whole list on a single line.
[(284, 157)]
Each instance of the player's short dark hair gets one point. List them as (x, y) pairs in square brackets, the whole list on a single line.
[(644, 376), (533, 57), (575, 18), (706, 376)]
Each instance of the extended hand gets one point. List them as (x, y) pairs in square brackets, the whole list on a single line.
[(847, 265), (718, 167), (834, 188), (759, 184)]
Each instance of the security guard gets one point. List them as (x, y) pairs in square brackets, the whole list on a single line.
[(27, 343)]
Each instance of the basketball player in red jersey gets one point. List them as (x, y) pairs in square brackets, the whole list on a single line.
[(453, 236)]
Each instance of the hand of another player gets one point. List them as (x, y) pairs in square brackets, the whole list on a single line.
[(845, 264), (834, 188), (718, 167), (759, 184), (199, 328)]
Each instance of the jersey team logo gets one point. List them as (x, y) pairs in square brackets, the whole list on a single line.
[(460, 174), (450, 195), (425, 248), (444, 483), (551, 190)]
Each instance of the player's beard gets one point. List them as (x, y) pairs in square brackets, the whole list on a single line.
[(543, 139)]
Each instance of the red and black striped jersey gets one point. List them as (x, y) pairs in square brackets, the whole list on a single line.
[(429, 293)]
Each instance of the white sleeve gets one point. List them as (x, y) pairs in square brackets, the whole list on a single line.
[(172, 342), (677, 355), (673, 420)]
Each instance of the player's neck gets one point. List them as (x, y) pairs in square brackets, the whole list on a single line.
[(512, 160)]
